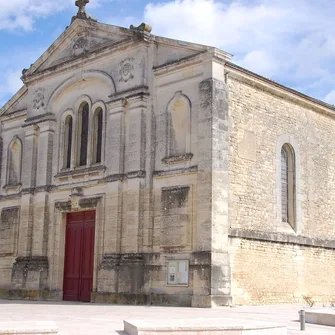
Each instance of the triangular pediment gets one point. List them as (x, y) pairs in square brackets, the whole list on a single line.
[(16, 104), (81, 37)]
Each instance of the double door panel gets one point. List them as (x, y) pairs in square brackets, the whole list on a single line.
[(79, 256)]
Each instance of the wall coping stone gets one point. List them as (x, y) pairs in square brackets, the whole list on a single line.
[(275, 237)]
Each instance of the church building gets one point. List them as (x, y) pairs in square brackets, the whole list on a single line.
[(137, 169)]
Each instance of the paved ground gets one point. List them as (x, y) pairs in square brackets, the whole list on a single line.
[(91, 319)]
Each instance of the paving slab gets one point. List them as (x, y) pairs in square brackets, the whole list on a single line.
[(28, 328), (91, 319), (202, 326)]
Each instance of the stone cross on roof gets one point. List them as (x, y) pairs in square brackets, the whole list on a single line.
[(81, 11), (81, 4)]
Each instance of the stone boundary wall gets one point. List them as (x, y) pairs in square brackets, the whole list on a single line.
[(267, 270)]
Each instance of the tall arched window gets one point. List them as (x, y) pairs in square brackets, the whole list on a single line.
[(97, 135), (14, 162), (68, 141), (83, 133), (288, 184)]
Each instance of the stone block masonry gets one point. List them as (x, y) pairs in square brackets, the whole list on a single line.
[(273, 261), (158, 163)]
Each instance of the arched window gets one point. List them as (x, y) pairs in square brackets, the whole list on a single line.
[(83, 133), (14, 162), (288, 184), (179, 125), (67, 141), (97, 135)]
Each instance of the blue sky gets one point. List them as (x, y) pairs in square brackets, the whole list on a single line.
[(289, 41)]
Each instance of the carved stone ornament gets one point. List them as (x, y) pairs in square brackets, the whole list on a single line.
[(80, 46), (38, 100), (126, 70), (77, 191), (143, 27)]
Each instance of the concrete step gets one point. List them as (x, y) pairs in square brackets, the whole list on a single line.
[(202, 326), (28, 328)]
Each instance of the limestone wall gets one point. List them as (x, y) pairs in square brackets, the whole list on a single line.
[(298, 264), (271, 273), (259, 122)]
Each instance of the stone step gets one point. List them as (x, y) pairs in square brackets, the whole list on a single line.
[(202, 326), (324, 317), (28, 328)]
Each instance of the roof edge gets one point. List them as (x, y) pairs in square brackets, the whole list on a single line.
[(298, 95), (23, 90)]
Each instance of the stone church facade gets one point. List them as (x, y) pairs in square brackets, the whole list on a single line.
[(140, 169)]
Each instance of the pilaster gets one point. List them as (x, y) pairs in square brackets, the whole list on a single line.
[(212, 196), (45, 150), (28, 178), (115, 138), (29, 157)]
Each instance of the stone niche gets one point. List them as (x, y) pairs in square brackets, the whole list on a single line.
[(9, 230), (175, 223)]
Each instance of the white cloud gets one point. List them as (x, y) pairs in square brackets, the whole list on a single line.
[(11, 65), (21, 14), (330, 97), (290, 41), (260, 61)]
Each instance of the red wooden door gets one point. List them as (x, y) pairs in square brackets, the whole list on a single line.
[(79, 256)]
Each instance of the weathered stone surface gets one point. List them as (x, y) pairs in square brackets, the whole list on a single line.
[(181, 169), (9, 226), (30, 273)]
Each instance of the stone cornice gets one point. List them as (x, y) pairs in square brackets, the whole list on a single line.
[(125, 97), (177, 159), (240, 74), (64, 206), (20, 114), (163, 173), (281, 238), (81, 171), (55, 188), (39, 118), (124, 176), (37, 263)]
